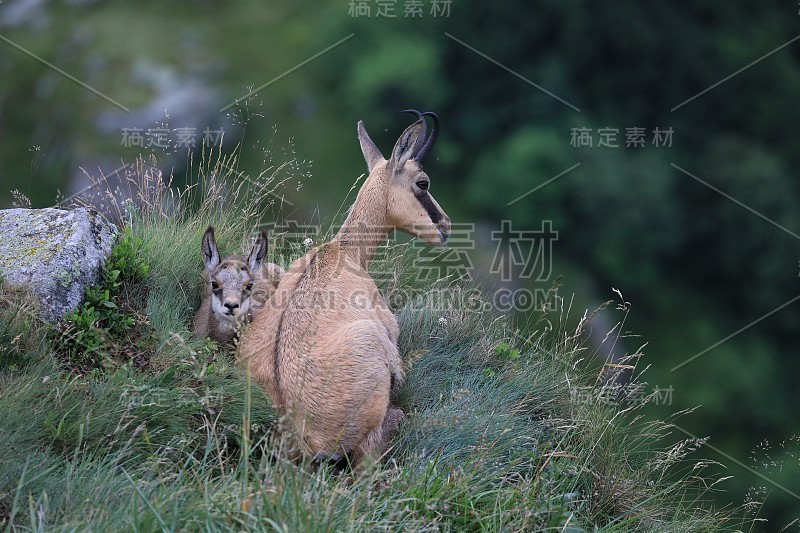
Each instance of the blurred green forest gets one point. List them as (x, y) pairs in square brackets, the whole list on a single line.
[(701, 236)]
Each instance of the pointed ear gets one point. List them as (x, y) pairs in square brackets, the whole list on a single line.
[(372, 155), (258, 253), (404, 149), (208, 249), (273, 273)]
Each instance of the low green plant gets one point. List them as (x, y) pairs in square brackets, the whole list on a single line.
[(101, 329), (505, 352)]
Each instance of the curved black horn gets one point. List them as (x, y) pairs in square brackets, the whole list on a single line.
[(420, 143), (423, 153)]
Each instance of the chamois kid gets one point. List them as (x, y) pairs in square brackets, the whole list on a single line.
[(236, 288)]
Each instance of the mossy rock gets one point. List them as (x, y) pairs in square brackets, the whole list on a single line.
[(55, 253)]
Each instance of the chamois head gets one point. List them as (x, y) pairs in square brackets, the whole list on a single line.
[(231, 279), (410, 206)]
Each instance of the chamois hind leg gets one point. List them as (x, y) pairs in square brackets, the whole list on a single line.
[(347, 395), (389, 322), (378, 440), (391, 424)]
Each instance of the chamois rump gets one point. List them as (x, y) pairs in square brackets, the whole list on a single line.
[(326, 361), (232, 286)]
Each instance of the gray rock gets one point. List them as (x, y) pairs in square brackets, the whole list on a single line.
[(55, 253)]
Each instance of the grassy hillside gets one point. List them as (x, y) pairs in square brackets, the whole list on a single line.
[(120, 419)]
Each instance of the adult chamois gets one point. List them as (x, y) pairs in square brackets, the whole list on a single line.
[(236, 287), (325, 349)]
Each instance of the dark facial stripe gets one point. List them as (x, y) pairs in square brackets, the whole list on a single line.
[(426, 200)]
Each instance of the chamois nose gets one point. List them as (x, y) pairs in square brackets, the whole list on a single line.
[(444, 226), (231, 306)]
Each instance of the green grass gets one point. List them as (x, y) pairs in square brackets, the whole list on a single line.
[(501, 432)]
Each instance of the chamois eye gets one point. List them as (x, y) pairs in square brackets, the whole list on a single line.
[(249, 286), (214, 285), (423, 184)]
